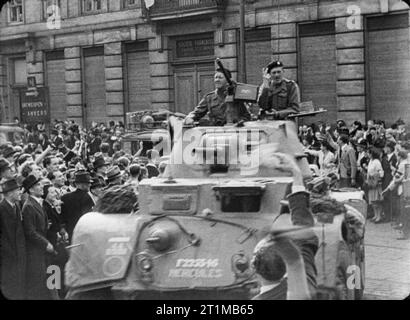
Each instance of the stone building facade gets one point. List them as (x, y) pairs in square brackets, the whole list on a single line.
[(103, 58)]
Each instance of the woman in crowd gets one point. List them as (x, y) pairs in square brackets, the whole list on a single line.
[(43, 141), (403, 223), (374, 177), (326, 158), (56, 233)]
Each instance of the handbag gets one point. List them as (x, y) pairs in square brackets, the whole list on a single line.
[(373, 182)]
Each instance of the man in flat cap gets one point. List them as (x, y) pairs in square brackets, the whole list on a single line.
[(214, 106), (279, 97)]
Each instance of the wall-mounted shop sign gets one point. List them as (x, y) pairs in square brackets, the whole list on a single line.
[(34, 106), (195, 47)]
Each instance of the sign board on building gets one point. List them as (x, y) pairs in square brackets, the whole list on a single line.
[(31, 82), (34, 106), (195, 47)]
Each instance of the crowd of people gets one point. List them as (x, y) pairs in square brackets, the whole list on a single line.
[(48, 183), (370, 156)]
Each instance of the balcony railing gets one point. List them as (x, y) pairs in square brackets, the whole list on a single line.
[(168, 9)]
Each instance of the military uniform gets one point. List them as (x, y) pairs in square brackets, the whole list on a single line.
[(283, 98), (214, 106)]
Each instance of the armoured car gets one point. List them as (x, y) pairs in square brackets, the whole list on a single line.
[(197, 226)]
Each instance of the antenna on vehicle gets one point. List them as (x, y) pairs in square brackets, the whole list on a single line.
[(278, 29)]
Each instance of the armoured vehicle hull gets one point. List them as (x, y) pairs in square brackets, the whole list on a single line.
[(196, 230)]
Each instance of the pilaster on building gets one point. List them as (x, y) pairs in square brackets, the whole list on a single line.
[(160, 74), (351, 75), (74, 83), (114, 79)]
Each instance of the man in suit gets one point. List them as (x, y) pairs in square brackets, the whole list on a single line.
[(100, 168), (35, 224), (347, 163), (77, 203), (389, 165), (12, 243), (278, 255), (95, 141), (56, 140)]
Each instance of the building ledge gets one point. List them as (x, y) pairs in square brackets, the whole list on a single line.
[(177, 9)]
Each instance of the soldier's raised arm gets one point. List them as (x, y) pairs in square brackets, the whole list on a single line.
[(263, 97)]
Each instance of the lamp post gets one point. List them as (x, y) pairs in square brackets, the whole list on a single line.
[(242, 53)]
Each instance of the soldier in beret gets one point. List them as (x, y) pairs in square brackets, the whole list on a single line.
[(279, 97)]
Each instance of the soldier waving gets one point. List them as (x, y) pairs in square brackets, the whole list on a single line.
[(279, 97)]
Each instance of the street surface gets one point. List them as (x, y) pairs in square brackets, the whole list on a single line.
[(387, 263)]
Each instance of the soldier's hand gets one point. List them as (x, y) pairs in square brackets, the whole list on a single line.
[(50, 248), (188, 121), (270, 157), (284, 246), (266, 76)]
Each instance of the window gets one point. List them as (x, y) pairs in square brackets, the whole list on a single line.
[(239, 198), (20, 71), (51, 7), (16, 11), (91, 6)]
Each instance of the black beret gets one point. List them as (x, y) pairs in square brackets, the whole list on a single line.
[(274, 64)]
